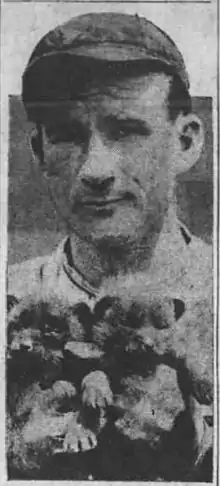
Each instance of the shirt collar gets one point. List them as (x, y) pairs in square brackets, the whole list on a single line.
[(73, 272), (173, 241)]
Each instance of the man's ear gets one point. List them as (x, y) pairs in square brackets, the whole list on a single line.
[(36, 142), (189, 139)]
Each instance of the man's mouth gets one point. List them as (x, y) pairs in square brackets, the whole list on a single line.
[(100, 203), (102, 207)]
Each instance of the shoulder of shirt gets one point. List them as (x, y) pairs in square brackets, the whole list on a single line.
[(199, 264), (201, 252), (25, 276), (183, 260), (44, 276)]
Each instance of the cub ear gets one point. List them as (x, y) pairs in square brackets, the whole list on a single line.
[(164, 311), (83, 312), (179, 308), (111, 309), (11, 302), (104, 306), (82, 321)]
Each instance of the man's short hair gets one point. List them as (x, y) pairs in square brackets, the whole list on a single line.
[(179, 99)]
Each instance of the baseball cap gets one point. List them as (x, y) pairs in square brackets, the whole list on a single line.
[(68, 56)]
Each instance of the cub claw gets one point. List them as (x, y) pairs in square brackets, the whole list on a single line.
[(96, 391), (77, 439)]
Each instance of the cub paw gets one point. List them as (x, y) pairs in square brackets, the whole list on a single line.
[(63, 389), (96, 391), (77, 439)]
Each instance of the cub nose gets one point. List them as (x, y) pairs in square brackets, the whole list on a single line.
[(17, 345), (26, 345)]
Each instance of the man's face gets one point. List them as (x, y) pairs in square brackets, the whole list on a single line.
[(108, 160)]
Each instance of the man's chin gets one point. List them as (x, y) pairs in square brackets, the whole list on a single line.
[(116, 230), (111, 238)]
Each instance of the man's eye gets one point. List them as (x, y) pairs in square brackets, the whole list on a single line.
[(122, 130)]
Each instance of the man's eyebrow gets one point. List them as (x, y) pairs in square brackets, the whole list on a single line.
[(127, 120)]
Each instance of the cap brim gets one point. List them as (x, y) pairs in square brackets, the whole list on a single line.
[(44, 79), (108, 52), (115, 52)]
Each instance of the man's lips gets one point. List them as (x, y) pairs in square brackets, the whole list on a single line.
[(100, 203), (102, 207)]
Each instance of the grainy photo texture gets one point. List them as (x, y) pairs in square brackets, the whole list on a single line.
[(109, 362)]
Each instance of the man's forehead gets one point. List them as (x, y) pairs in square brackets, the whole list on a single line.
[(119, 98)]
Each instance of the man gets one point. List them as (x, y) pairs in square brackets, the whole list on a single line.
[(109, 94)]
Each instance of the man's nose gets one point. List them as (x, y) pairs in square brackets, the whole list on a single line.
[(97, 173), (98, 184)]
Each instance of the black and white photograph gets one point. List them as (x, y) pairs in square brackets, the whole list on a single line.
[(109, 197)]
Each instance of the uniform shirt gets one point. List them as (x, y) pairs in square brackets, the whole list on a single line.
[(182, 261)]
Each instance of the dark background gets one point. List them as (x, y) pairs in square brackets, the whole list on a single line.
[(34, 227)]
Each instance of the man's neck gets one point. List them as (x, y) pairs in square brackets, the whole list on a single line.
[(96, 263)]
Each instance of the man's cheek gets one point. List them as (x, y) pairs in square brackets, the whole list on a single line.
[(62, 160), (133, 163), (153, 179), (158, 167), (143, 170), (61, 171)]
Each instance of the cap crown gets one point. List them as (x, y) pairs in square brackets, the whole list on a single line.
[(110, 37)]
